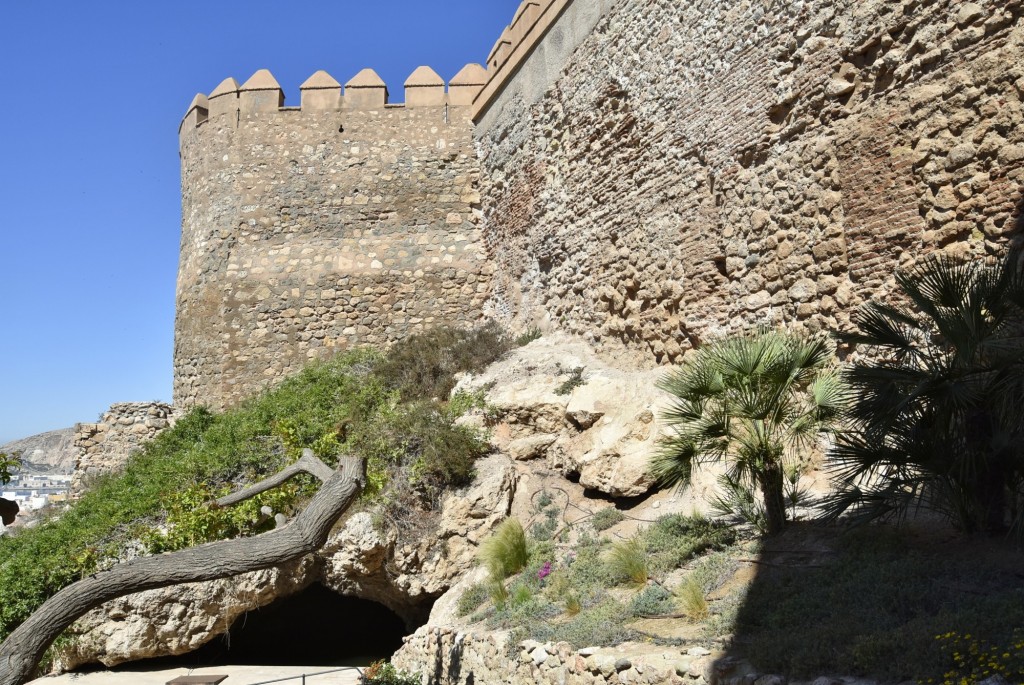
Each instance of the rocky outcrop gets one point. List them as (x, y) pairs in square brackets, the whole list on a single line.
[(359, 560), (50, 452), (176, 620), (554, 400)]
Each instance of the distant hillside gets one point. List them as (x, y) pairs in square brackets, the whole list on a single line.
[(51, 452)]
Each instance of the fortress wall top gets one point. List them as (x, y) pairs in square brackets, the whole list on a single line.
[(306, 232), (534, 49), (691, 169), (261, 94)]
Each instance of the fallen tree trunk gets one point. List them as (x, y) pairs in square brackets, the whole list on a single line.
[(21, 652)]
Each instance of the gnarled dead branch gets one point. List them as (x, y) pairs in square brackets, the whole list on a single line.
[(21, 652)]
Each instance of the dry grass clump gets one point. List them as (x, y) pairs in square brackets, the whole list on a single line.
[(627, 562), (692, 602), (505, 552)]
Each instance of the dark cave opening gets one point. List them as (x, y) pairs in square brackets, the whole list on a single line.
[(315, 627)]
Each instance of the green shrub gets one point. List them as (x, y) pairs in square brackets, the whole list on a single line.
[(606, 518), (521, 594), (9, 464), (384, 673), (692, 600), (423, 367), (528, 337), (472, 598), (423, 438), (498, 593), (674, 539), (574, 381), (600, 625), (573, 605), (653, 600), (505, 552), (627, 563)]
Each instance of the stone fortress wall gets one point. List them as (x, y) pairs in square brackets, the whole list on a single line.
[(308, 230), (687, 169), (645, 173)]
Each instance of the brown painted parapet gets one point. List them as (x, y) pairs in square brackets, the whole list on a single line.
[(366, 90), (198, 112), (322, 92), (466, 84), (224, 98)]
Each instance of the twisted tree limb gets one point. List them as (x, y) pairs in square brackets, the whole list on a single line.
[(308, 463), (21, 652)]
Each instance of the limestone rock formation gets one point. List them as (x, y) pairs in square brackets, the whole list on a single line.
[(556, 400), (50, 452), (176, 620), (359, 560)]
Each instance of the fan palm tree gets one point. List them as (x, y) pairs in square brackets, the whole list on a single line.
[(754, 402), (939, 416)]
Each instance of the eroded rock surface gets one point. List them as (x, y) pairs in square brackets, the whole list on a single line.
[(555, 400), (359, 560)]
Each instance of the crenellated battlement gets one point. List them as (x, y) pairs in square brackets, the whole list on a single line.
[(321, 92), (532, 21)]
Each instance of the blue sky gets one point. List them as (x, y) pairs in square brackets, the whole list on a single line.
[(89, 176)]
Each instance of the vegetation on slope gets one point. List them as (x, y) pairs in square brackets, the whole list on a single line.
[(356, 403)]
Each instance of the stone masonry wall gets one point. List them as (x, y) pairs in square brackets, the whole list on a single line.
[(309, 231), (446, 656), (699, 167), (105, 446)]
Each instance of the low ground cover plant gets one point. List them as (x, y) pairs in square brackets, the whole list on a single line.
[(588, 591), (385, 673), (875, 604)]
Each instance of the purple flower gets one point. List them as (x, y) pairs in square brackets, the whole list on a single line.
[(545, 571)]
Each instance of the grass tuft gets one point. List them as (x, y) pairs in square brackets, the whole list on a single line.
[(505, 552), (627, 563), (692, 601)]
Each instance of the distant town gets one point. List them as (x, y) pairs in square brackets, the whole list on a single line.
[(33, 492)]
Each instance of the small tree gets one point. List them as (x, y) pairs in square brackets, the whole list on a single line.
[(755, 402), (939, 415), (9, 463)]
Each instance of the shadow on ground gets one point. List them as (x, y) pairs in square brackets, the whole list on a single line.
[(873, 603)]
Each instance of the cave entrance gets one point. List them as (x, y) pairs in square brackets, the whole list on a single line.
[(314, 627)]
